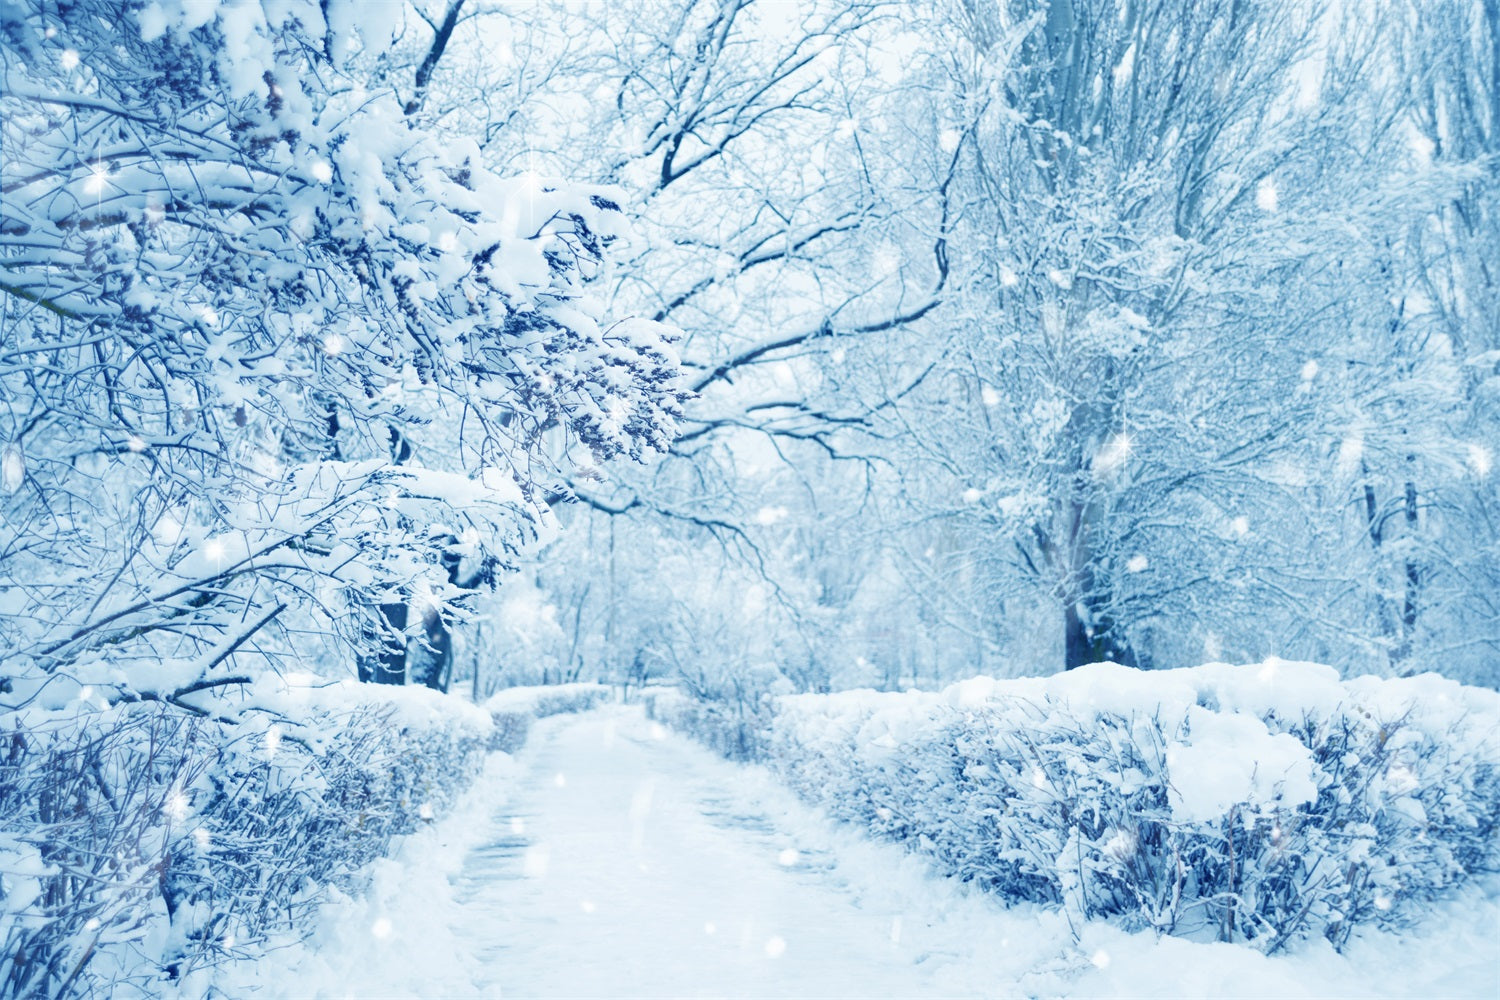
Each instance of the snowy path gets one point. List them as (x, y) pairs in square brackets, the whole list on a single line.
[(610, 858), (624, 866)]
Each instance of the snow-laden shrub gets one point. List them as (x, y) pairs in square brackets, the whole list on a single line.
[(735, 729), (509, 729), (513, 710), (542, 700), (138, 842), (1252, 804), (727, 708)]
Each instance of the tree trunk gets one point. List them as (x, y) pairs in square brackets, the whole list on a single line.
[(1090, 634), (1092, 641), (1398, 629), (1076, 640), (1413, 577), (390, 666), (432, 662)]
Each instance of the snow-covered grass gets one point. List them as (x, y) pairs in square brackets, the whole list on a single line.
[(1257, 804)]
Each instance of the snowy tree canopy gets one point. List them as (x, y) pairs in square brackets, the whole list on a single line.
[(271, 351), (1033, 333)]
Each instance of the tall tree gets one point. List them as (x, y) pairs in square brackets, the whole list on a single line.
[(1125, 364), (1450, 64)]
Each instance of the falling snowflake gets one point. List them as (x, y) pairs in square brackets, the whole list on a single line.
[(768, 516), (176, 805), (12, 468), (536, 861), (1265, 195), (1113, 455)]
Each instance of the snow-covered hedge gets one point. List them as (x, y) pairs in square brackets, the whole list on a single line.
[(513, 710), (736, 729), (138, 842), (1252, 804)]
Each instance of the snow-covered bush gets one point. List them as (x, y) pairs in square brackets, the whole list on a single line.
[(509, 729), (1249, 804), (513, 710), (726, 707), (138, 842), (542, 700), (735, 728)]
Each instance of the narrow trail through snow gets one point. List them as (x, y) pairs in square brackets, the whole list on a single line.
[(610, 858), (622, 865)]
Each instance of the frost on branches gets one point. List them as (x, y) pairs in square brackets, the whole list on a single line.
[(272, 358)]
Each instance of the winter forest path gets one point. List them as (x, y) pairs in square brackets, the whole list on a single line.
[(610, 858), (629, 862)]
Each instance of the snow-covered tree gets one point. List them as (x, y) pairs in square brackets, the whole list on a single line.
[(270, 352), (1125, 361), (1450, 66), (790, 215)]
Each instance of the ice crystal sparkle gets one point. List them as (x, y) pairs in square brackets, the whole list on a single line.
[(12, 468)]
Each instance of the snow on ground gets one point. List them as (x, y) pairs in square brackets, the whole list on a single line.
[(398, 938), (611, 858)]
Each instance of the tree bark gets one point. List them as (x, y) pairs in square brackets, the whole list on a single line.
[(1098, 642), (389, 667), (1409, 605)]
